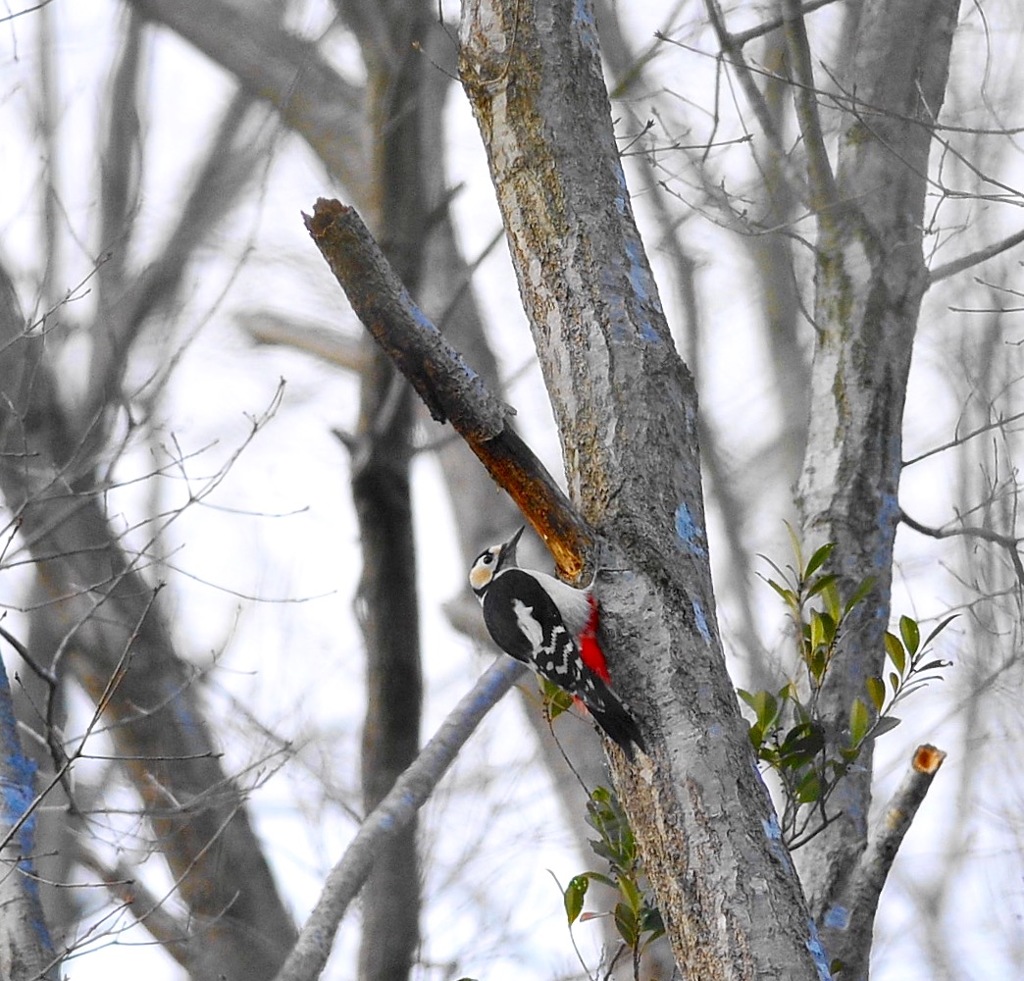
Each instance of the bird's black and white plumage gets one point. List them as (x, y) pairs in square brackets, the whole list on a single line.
[(552, 628)]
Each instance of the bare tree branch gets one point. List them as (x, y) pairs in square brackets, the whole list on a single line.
[(960, 440), (853, 911), (152, 911), (318, 339), (1010, 543), (100, 596), (975, 258), (742, 38), (823, 196), (451, 390), (394, 813), (734, 55)]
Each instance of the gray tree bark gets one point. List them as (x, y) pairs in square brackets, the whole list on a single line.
[(626, 412), (870, 277)]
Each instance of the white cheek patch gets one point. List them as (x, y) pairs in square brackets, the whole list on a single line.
[(529, 627)]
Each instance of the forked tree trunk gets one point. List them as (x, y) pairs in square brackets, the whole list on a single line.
[(626, 411)]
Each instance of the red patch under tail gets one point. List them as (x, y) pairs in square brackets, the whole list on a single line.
[(590, 649)]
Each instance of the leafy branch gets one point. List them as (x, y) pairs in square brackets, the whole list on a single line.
[(789, 733), (637, 919)]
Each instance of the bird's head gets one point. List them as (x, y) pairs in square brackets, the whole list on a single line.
[(493, 560)]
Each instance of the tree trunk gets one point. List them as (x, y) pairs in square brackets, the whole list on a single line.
[(626, 410), (870, 276), (120, 650), (387, 605)]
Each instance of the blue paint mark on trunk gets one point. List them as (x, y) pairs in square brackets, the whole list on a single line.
[(837, 918), (702, 621), (17, 794), (775, 846), (888, 518), (690, 533), (817, 949)]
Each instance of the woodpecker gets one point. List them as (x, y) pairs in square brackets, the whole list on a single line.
[(552, 628)]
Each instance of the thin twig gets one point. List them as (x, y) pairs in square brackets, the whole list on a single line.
[(752, 33), (960, 440), (753, 94), (1008, 542), (975, 258)]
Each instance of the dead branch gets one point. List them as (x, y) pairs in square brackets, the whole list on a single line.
[(451, 390)]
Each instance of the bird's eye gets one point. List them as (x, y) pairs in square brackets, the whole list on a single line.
[(488, 558)]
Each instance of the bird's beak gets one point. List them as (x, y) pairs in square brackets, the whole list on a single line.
[(508, 550)]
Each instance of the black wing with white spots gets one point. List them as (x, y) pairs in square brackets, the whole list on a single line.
[(525, 623)]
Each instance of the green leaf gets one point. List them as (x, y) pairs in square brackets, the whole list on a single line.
[(574, 895), (781, 573), (818, 559), (802, 712), (838, 767), (894, 648), (894, 680), (651, 922), (765, 707), (876, 692), (938, 630), (787, 594), (601, 850), (817, 665), (794, 543), (885, 724), (818, 638), (911, 634), (821, 584), (802, 743), (829, 627), (859, 593), (631, 894), (830, 597), (756, 734), (556, 701), (627, 925), (859, 722), (808, 790), (788, 692)]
